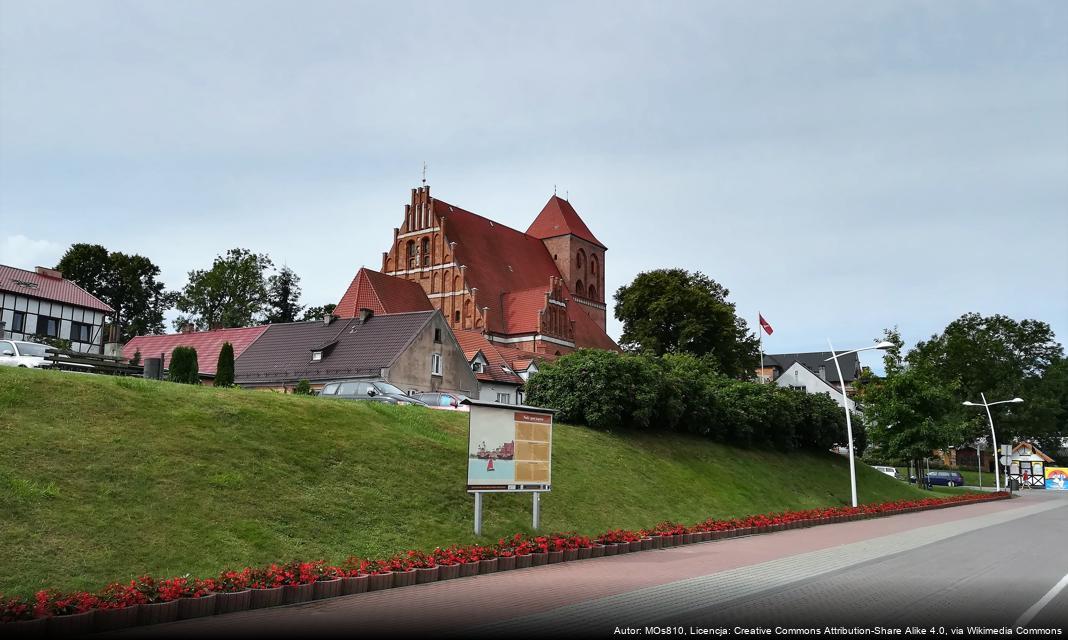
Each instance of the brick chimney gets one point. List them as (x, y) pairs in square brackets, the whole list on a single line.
[(187, 328), (365, 315), (49, 273)]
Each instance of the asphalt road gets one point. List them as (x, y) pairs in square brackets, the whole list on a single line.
[(994, 565)]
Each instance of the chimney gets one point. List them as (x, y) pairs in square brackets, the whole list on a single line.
[(328, 318), (823, 373), (49, 273), (187, 328), (365, 315)]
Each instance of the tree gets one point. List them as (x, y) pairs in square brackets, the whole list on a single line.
[(1001, 358), (126, 283), (317, 313), (283, 296), (675, 311), (232, 293), (224, 371), (184, 367)]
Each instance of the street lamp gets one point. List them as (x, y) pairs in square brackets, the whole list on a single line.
[(845, 405), (987, 405)]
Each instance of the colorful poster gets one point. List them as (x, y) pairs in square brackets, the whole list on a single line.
[(509, 449), (1057, 478)]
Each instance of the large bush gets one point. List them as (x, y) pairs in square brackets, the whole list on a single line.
[(184, 367), (224, 370), (680, 392)]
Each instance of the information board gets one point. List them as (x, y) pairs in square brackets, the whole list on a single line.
[(509, 448)]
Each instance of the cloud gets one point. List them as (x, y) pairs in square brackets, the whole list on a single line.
[(27, 253)]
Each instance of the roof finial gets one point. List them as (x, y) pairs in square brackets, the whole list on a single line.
[(554, 189), (424, 173), (567, 195)]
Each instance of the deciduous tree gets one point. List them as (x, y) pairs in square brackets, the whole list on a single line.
[(232, 293)]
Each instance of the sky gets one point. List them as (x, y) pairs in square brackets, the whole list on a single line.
[(840, 167)]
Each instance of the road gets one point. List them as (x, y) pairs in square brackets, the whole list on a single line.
[(989, 565)]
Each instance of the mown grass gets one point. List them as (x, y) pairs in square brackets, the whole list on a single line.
[(105, 478)]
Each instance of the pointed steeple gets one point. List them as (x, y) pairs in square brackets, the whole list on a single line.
[(558, 218)]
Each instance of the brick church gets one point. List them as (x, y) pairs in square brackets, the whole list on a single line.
[(540, 291)]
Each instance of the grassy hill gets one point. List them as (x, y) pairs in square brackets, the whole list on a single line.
[(107, 478)]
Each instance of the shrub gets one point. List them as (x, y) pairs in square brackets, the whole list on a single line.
[(224, 371), (303, 388), (184, 367)]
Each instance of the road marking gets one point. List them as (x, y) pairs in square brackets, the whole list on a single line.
[(1042, 602), (635, 608)]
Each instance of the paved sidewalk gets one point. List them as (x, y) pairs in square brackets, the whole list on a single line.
[(554, 598)]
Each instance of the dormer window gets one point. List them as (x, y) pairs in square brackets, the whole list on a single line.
[(317, 356), (476, 366)]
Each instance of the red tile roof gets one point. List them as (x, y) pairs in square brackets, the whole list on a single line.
[(382, 294), (207, 343), (472, 342), (559, 218), (511, 271), (45, 287)]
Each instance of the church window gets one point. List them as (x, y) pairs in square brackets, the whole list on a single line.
[(411, 255), (593, 264), (580, 259), (426, 252), (457, 316), (593, 292), (456, 284), (579, 289)]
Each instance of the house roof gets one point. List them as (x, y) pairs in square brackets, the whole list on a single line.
[(284, 352), (207, 343), (1034, 450), (473, 343), (512, 272), (559, 218), (813, 360), (382, 294), (47, 287)]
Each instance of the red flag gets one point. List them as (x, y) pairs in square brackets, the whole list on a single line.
[(764, 325)]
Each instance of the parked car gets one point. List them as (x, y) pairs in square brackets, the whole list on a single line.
[(372, 390), (30, 355), (448, 401), (890, 471), (945, 478)]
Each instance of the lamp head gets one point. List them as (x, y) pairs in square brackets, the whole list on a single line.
[(1016, 400), (884, 345), (969, 403)]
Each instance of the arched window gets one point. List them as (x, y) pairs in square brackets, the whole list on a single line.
[(593, 264), (457, 317), (467, 314), (593, 292), (426, 252), (457, 284), (580, 259), (579, 289), (411, 255)]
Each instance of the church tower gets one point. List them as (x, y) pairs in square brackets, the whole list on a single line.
[(578, 254)]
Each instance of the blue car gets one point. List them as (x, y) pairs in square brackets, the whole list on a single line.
[(945, 478)]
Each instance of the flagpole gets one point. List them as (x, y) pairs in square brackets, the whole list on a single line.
[(760, 343)]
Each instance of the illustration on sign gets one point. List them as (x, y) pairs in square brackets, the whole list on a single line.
[(1057, 478), (509, 448)]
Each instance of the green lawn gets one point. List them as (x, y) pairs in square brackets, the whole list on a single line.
[(107, 478)]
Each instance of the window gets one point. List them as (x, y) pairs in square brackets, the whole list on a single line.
[(519, 397), (329, 389), (579, 289), (437, 335), (81, 332), (476, 367), (412, 259), (349, 388), (580, 259), (48, 326), (593, 264), (504, 398), (457, 316), (593, 292), (317, 356), (426, 252), (18, 322), (435, 364)]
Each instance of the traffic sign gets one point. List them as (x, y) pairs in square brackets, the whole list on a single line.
[(1006, 450), (1005, 460)]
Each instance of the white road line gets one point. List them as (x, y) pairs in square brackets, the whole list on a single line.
[(1042, 602)]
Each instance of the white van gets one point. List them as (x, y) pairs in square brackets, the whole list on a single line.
[(890, 471)]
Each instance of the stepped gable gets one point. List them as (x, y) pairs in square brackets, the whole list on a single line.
[(207, 343), (382, 294), (559, 218)]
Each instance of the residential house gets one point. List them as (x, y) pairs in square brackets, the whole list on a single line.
[(40, 304), (501, 371), (541, 291), (799, 377), (776, 365), (207, 343), (415, 351)]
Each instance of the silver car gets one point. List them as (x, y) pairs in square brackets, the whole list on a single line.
[(30, 355)]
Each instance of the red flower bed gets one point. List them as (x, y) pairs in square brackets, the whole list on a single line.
[(146, 589)]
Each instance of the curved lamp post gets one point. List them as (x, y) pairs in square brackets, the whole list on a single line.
[(987, 405), (845, 405)]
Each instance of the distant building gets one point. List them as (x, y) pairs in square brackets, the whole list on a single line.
[(501, 371), (776, 365), (43, 304), (415, 351), (207, 343), (798, 377), (541, 291)]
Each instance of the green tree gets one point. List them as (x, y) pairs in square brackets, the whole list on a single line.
[(317, 313), (232, 293), (184, 367), (675, 311), (224, 371), (283, 296), (128, 283)]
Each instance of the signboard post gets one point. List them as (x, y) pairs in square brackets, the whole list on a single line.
[(509, 450)]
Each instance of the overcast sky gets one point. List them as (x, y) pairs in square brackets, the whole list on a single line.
[(839, 166)]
